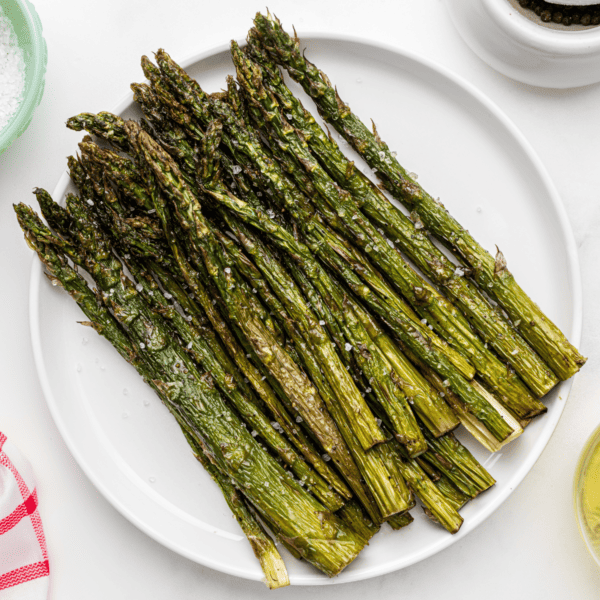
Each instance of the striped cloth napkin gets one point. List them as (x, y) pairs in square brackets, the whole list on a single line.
[(24, 572)]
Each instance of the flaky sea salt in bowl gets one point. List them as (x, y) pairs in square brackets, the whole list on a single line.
[(23, 58)]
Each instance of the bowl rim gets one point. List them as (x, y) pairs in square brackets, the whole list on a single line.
[(551, 41), (33, 92)]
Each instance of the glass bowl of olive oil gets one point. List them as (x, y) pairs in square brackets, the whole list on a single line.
[(587, 494)]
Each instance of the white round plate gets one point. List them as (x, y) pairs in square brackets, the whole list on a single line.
[(466, 151)]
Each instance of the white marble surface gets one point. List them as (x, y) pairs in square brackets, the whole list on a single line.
[(529, 548)]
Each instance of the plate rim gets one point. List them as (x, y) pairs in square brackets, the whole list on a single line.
[(563, 389)]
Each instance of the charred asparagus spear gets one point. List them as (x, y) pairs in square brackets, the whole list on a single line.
[(490, 273), (191, 94), (370, 358), (491, 369), (262, 544), (195, 313), (318, 535), (303, 394), (204, 351), (206, 109), (415, 243)]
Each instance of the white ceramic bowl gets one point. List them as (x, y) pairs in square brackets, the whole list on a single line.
[(524, 50)]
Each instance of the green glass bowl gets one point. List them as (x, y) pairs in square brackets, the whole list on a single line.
[(28, 29)]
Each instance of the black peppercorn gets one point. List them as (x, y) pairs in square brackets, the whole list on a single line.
[(562, 15)]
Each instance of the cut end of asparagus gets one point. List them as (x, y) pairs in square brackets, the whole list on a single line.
[(276, 575), (400, 521), (478, 430)]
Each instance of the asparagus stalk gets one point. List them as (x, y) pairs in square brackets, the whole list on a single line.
[(435, 504), (458, 478), (203, 349), (415, 243), (374, 364), (385, 484), (469, 419), (490, 273), (399, 521), (453, 457), (60, 273), (452, 494), (278, 411), (262, 544), (319, 536), (190, 93), (303, 394)]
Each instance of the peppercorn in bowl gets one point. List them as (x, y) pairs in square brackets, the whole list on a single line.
[(538, 43), (23, 59)]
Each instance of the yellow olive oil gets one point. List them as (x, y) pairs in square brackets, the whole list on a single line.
[(587, 494)]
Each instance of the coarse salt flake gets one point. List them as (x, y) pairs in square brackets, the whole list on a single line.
[(12, 71)]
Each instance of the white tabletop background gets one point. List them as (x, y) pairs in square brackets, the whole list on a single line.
[(529, 548)]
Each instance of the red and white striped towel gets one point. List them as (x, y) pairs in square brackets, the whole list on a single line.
[(23, 555)]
